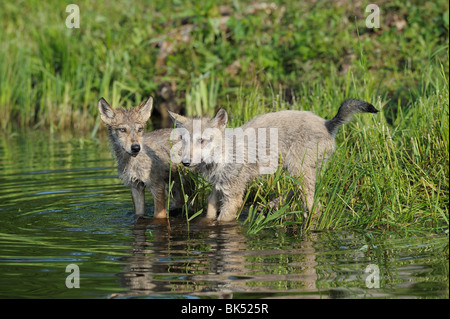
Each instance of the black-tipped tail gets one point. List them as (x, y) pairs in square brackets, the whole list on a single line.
[(345, 113)]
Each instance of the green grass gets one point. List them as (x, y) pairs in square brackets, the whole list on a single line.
[(381, 176), (389, 171)]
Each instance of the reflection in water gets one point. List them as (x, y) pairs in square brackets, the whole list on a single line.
[(210, 260), (221, 261), (62, 203)]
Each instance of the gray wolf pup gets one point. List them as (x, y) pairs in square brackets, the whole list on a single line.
[(298, 140), (143, 159)]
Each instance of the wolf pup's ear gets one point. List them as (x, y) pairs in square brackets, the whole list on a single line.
[(145, 110), (178, 119), (106, 111), (220, 120)]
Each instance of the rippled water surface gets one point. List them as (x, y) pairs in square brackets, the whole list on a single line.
[(61, 203)]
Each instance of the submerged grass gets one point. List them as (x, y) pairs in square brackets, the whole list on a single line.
[(389, 171)]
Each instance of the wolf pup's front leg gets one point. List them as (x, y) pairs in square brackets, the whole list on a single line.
[(231, 204), (159, 197), (138, 195), (213, 204)]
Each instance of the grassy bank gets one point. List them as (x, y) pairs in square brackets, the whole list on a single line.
[(382, 176), (390, 171)]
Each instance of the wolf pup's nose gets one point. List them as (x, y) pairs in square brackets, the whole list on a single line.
[(186, 163), (135, 148)]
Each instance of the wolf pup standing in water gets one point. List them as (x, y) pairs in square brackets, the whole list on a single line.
[(298, 141), (143, 159)]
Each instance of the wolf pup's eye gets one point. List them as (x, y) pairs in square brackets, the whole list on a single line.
[(123, 130), (140, 129)]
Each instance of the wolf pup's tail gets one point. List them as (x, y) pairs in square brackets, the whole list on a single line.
[(345, 113)]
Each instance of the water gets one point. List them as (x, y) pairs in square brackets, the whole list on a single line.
[(61, 204)]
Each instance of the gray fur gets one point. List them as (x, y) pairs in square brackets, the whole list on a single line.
[(149, 167), (304, 141)]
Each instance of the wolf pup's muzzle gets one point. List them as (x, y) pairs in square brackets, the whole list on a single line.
[(135, 148)]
